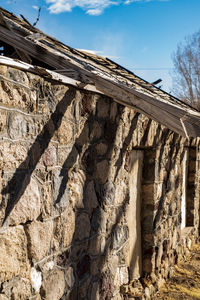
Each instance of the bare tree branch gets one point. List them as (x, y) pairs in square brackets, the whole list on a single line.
[(37, 20), (186, 77), (38, 17)]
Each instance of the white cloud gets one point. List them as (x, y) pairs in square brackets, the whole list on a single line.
[(131, 1), (35, 7), (95, 11), (92, 7)]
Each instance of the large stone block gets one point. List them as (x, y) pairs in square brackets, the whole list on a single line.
[(49, 96), (4, 96), (53, 286), (13, 254), (39, 239), (99, 220), (101, 148), (17, 288), (18, 75), (90, 199), (121, 276), (50, 156), (65, 132), (78, 249), (47, 200), (97, 245), (67, 156), (96, 130), (113, 110), (120, 236), (108, 194), (68, 227), (64, 228), (76, 185), (103, 107), (28, 208), (83, 138), (60, 195), (120, 192), (82, 230), (12, 155), (102, 169), (3, 119), (20, 126)]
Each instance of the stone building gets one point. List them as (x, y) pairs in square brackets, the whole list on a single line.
[(99, 174)]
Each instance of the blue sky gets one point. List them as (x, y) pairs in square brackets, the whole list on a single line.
[(141, 35)]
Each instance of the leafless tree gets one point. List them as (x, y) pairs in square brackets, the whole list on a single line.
[(186, 76)]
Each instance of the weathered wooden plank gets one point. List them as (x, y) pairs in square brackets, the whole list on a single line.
[(191, 129), (25, 57), (164, 112), (172, 108), (191, 124), (153, 112), (30, 47), (43, 53), (35, 36), (47, 73)]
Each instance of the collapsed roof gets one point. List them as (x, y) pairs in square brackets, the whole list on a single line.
[(20, 40)]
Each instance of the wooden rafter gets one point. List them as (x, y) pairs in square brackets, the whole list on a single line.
[(24, 56), (47, 74), (155, 104)]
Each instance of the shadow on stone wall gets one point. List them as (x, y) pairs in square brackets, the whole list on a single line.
[(126, 143), (89, 255), (21, 178), (146, 133), (161, 194), (170, 164)]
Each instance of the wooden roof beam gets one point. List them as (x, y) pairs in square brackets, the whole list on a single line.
[(23, 56), (164, 112)]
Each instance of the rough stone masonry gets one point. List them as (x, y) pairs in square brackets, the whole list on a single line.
[(91, 194)]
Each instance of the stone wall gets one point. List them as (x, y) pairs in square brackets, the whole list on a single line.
[(91, 194)]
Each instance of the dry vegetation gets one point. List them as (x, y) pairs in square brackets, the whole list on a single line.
[(185, 282)]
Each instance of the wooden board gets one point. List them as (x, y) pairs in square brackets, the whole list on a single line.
[(162, 111), (25, 57)]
